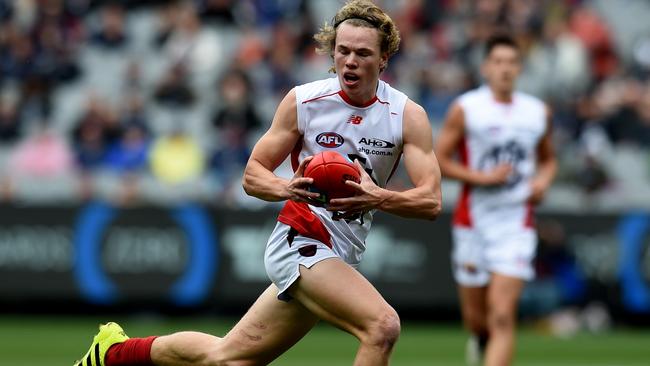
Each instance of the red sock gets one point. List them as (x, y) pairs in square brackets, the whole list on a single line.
[(132, 352)]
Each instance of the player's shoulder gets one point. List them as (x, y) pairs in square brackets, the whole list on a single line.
[(415, 116), (386, 91), (392, 97), (317, 89), (414, 109), (474, 96), (529, 100)]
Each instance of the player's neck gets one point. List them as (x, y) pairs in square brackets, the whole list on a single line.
[(359, 99), (502, 96)]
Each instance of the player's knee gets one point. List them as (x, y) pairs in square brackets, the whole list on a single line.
[(501, 320), (384, 331)]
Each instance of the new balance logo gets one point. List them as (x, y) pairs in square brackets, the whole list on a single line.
[(355, 120)]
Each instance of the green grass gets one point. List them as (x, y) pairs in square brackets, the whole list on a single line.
[(32, 341)]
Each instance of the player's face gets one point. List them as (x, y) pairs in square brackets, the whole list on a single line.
[(357, 60), (501, 68)]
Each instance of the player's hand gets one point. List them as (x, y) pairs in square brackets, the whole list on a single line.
[(298, 186), (369, 196), (538, 188), (497, 176)]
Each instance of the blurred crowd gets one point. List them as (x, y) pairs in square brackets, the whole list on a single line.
[(140, 101)]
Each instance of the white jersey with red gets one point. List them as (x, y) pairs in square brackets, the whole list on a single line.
[(498, 133), (371, 133)]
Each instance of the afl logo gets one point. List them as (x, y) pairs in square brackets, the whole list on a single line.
[(329, 140)]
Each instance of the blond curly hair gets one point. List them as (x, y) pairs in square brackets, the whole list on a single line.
[(360, 13)]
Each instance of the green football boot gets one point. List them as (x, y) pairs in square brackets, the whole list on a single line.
[(109, 334)]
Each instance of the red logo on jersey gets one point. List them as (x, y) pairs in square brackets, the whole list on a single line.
[(355, 120)]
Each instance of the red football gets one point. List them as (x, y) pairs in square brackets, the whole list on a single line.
[(330, 170)]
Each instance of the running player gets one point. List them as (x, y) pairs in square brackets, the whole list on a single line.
[(506, 163), (312, 253)]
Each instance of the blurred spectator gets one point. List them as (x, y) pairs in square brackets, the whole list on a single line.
[(8, 35), (271, 12), (112, 34), (569, 62), (18, 60), (217, 11), (234, 122), (630, 124), (90, 145), (251, 50), (55, 60), (167, 19), (39, 58), (175, 89), (96, 131), (237, 111), (587, 25), (176, 159), (134, 111), (281, 59), (9, 122), (228, 161), (129, 154), (126, 160), (62, 14), (43, 154), (197, 47)]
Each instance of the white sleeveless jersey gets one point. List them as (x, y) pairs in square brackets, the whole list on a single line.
[(371, 133), (497, 133)]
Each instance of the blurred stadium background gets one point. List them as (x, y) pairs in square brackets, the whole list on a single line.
[(125, 126)]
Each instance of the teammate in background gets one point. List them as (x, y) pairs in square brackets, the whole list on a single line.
[(312, 253), (506, 163)]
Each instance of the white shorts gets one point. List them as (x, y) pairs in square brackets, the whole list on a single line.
[(478, 253), (286, 251)]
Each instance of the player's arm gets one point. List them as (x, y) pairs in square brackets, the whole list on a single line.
[(425, 199), (546, 163), (447, 144), (270, 151), (422, 201)]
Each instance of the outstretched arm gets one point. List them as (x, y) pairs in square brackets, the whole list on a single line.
[(422, 201), (270, 151)]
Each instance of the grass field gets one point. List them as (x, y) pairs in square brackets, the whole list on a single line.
[(32, 341)]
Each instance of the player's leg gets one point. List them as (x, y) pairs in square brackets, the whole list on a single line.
[(472, 278), (330, 289), (473, 305), (268, 329), (509, 256), (339, 294), (502, 299)]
